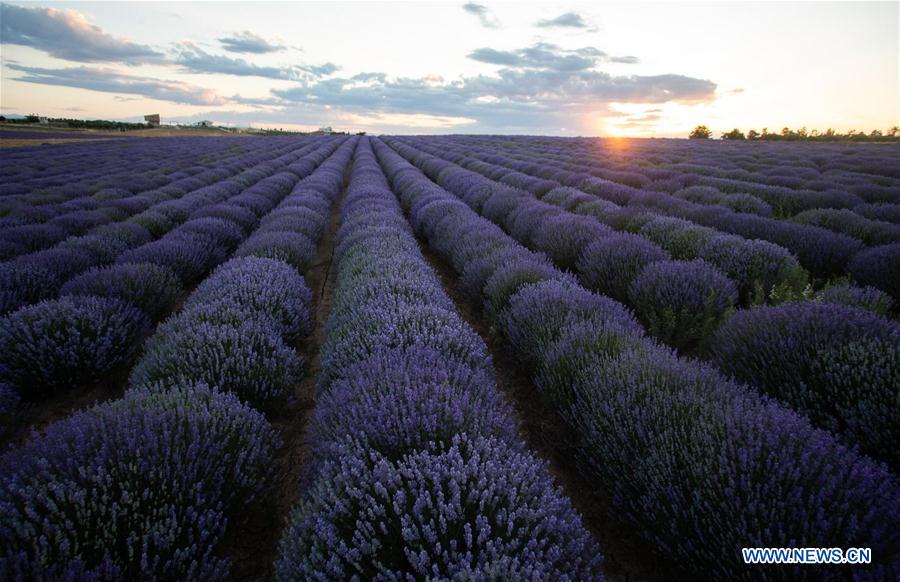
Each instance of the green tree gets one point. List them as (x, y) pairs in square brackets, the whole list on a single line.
[(734, 134), (752, 134), (700, 132)]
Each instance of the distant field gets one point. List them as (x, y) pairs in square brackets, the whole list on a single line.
[(458, 357), (16, 136)]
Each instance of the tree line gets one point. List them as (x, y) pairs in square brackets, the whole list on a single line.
[(802, 134)]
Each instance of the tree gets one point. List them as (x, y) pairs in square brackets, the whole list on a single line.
[(734, 134), (894, 131), (752, 134), (700, 132)]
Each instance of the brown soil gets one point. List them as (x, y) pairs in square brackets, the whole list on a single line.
[(252, 544), (626, 557)]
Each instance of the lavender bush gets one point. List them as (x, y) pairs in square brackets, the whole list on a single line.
[(67, 342), (370, 517)]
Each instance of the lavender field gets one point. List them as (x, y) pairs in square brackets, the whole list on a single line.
[(447, 357)]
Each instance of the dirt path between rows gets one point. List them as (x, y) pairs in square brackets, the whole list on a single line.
[(626, 558), (252, 544)]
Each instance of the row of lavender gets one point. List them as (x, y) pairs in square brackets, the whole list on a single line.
[(837, 364), (700, 465), (86, 188), (39, 275), (774, 179), (822, 251), (145, 486), (419, 469), (94, 326), (50, 174)]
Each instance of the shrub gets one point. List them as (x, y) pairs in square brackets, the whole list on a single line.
[(879, 267), (131, 234), (247, 359), (702, 467), (786, 351), (402, 400), (761, 270), (21, 284), (871, 232), (378, 327), (681, 238), (682, 303), (501, 517), (538, 312), (261, 286), (236, 214), (610, 264), (295, 249), (747, 203), (190, 257), (218, 231), (563, 238), (133, 488), (868, 298), (64, 262), (151, 287), (104, 248), (508, 279), (67, 342), (700, 194)]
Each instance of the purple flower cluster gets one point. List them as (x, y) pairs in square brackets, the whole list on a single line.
[(67, 342), (820, 250), (420, 471), (879, 267), (475, 510), (682, 302), (808, 355), (136, 488), (867, 297), (871, 232), (153, 288), (699, 465)]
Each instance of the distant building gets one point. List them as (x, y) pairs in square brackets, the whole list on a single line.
[(205, 123), (43, 120), (152, 120), (326, 130)]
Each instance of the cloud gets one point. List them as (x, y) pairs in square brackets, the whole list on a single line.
[(539, 87), (111, 81), (248, 42), (566, 20), (544, 55), (628, 60), (194, 59), (484, 14), (66, 34)]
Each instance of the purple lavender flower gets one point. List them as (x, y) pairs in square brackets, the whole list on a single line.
[(610, 264), (682, 302), (133, 488), (67, 342), (476, 510), (248, 359), (151, 287), (879, 267), (835, 363)]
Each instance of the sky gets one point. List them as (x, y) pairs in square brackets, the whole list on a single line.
[(610, 69)]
